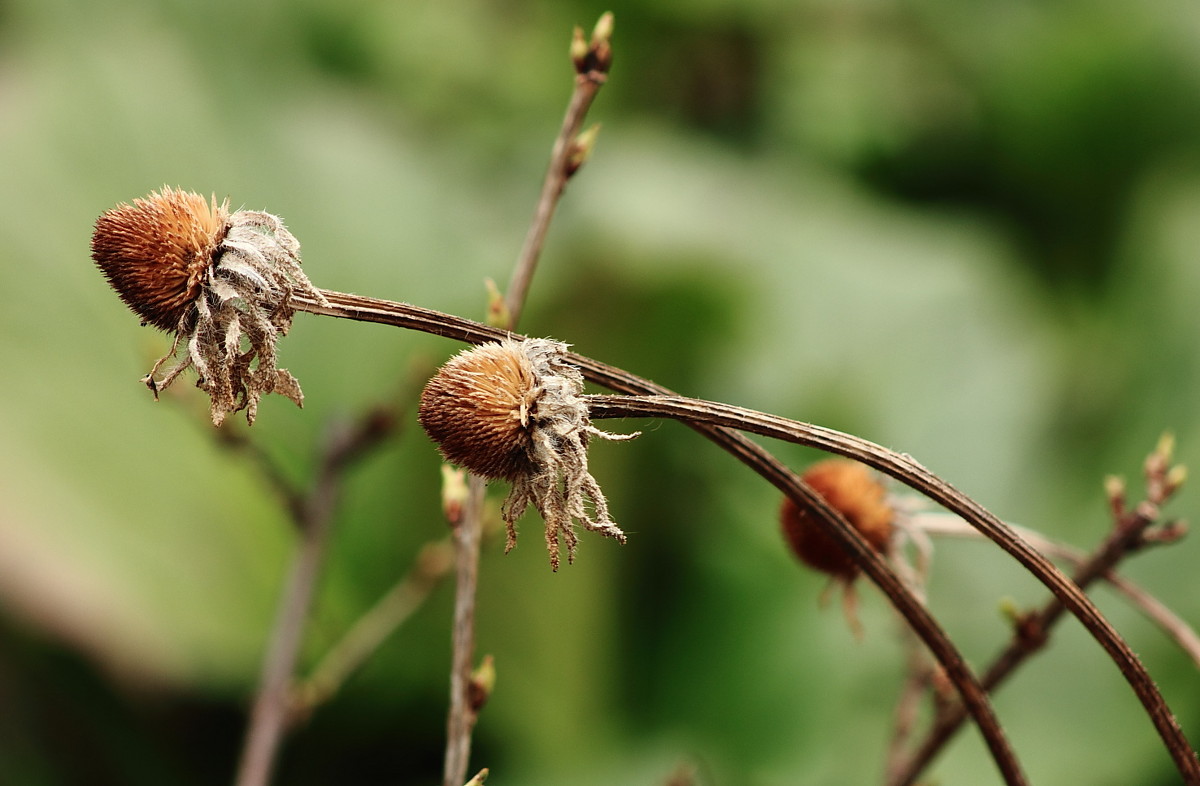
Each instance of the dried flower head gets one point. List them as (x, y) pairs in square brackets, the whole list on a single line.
[(854, 491), (221, 281), (514, 410)]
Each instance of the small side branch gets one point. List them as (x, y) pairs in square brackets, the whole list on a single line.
[(313, 515), (1130, 533), (371, 630)]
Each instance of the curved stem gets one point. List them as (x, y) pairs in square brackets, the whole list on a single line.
[(907, 470), (903, 468), (873, 565)]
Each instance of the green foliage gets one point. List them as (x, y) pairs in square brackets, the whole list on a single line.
[(963, 230)]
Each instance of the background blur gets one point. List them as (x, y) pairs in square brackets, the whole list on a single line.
[(963, 229)]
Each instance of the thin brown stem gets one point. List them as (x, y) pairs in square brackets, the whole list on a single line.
[(403, 315), (590, 77), (290, 494), (1162, 616), (460, 721), (365, 309), (1178, 629), (1068, 595), (565, 158), (314, 519), (586, 87), (1031, 634), (372, 629), (904, 718)]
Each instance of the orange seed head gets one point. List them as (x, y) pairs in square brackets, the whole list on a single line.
[(851, 489), (156, 251), (515, 410), (477, 408)]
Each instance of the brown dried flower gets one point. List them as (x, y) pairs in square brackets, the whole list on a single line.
[(857, 494), (514, 410), (221, 282)]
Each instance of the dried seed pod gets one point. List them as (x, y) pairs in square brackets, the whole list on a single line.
[(156, 252), (221, 281), (513, 410), (477, 409), (857, 494)]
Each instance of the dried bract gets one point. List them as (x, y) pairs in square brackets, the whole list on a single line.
[(514, 410), (221, 282)]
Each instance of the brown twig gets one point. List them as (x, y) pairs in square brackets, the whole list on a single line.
[(1182, 633), (359, 308), (904, 718), (1068, 595), (460, 720), (592, 60), (313, 515), (366, 309), (1128, 535), (370, 631), (290, 494), (1157, 612)]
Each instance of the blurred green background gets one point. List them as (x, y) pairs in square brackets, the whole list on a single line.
[(967, 230)]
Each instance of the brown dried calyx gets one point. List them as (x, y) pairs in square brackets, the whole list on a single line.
[(514, 410), (221, 282)]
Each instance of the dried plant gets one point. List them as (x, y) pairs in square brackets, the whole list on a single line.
[(221, 282), (855, 492), (227, 285), (514, 410)]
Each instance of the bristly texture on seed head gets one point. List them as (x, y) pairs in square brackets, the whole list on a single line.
[(156, 251), (221, 282), (514, 410), (477, 410), (854, 491)]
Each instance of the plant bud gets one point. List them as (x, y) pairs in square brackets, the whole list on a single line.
[(482, 683)]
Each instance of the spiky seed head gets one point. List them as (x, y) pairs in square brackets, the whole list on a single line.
[(477, 409), (222, 283), (854, 491), (515, 410), (156, 252)]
